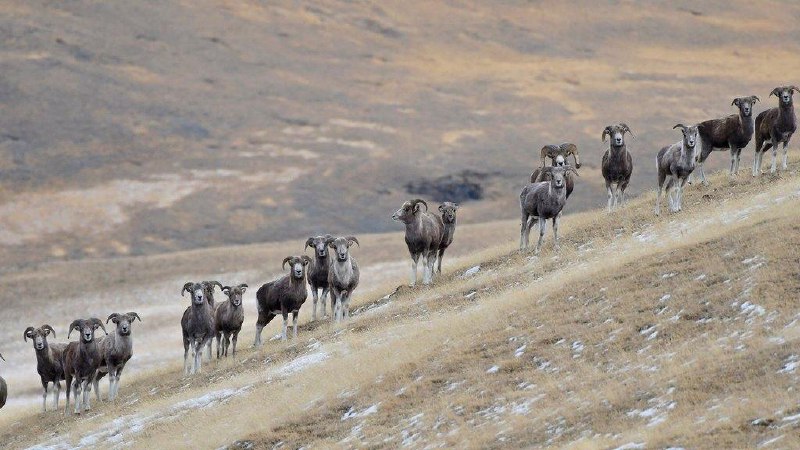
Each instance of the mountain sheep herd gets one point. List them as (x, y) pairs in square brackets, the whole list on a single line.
[(333, 272)]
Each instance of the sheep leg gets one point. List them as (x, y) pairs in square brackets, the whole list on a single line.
[(524, 231), (431, 263), (116, 381), (346, 306), (555, 232), (425, 268), (96, 383), (227, 342), (199, 346), (315, 296), (68, 385), (294, 323), (441, 254), (77, 395), (733, 161), (209, 344), (56, 391), (326, 294), (285, 324), (610, 196), (44, 396), (542, 226), (414, 261), (186, 356), (774, 154), (738, 158), (234, 339), (785, 154)]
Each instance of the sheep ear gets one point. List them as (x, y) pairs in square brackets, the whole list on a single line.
[(132, 315), (309, 242), (606, 131), (306, 260), (441, 208), (794, 88), (48, 330), (28, 333), (755, 98), (774, 92), (75, 324), (243, 287), (113, 317), (187, 287), (735, 102), (226, 290), (628, 129), (285, 260), (351, 240)]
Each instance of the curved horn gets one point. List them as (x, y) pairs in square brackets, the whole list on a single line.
[(187, 287), (627, 128), (133, 315), (285, 260), (755, 98), (353, 239), (49, 328), (682, 126), (1, 357), (794, 88), (419, 200), (306, 260), (25, 333), (735, 102), (545, 153), (96, 321), (75, 324), (226, 290), (216, 283), (572, 149), (112, 316), (571, 169), (243, 285), (309, 243), (774, 92), (606, 132)]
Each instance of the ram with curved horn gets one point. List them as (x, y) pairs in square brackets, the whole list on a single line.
[(197, 326), (317, 273), (617, 164), (343, 276), (81, 361), (423, 236), (540, 202), (775, 126), (565, 150), (49, 363), (283, 296)]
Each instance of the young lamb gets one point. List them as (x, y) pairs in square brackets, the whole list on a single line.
[(343, 276), (617, 165), (676, 161), (545, 174), (564, 150), (197, 325), (282, 296), (116, 350), (775, 126), (731, 132), (318, 271), (423, 235), (3, 389), (49, 361), (448, 210), (81, 361), (229, 319), (543, 201)]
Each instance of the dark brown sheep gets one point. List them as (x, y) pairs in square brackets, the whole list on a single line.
[(731, 132), (81, 361), (49, 361), (283, 296), (617, 164), (423, 236), (775, 126)]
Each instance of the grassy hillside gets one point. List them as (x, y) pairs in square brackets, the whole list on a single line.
[(139, 128), (642, 331)]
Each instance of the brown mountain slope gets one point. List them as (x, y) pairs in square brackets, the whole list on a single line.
[(147, 127)]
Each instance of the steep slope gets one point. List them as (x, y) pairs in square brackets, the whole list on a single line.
[(641, 331)]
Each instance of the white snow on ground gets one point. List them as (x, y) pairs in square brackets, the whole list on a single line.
[(771, 441), (631, 446), (520, 351), (351, 413), (471, 271), (493, 369), (301, 362), (791, 364)]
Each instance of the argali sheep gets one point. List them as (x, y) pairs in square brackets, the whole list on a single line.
[(343, 276), (731, 132), (229, 317), (116, 350), (566, 149), (3, 388), (448, 210), (676, 161), (283, 296), (423, 236), (617, 164), (545, 174), (317, 273), (775, 126), (542, 201), (197, 326), (208, 291), (81, 361), (49, 361)]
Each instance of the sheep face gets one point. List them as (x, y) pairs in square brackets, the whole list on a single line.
[(297, 266), (319, 244), (448, 209), (38, 336), (745, 104), (123, 322), (784, 94), (235, 294), (689, 135), (341, 246), (86, 327), (408, 212), (616, 134), (197, 291)]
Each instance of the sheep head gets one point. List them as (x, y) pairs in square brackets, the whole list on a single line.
[(616, 134), (196, 290), (38, 336), (689, 135), (297, 265), (408, 212), (123, 322), (784, 94), (86, 327), (319, 244), (448, 210), (745, 104)]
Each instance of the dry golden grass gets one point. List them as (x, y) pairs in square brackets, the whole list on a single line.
[(671, 331)]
